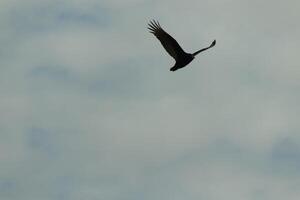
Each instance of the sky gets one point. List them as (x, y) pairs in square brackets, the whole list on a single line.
[(89, 109)]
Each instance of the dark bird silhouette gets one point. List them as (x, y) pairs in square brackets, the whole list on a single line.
[(172, 47)]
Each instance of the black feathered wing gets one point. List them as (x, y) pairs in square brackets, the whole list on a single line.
[(168, 42)]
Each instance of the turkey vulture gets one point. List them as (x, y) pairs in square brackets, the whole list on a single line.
[(172, 47)]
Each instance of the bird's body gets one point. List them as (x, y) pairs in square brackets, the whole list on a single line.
[(172, 47), (182, 61)]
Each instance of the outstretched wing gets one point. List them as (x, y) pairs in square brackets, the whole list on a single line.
[(169, 43)]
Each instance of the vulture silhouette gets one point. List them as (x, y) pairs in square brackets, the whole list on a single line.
[(172, 47)]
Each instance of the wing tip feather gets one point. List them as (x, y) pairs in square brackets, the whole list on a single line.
[(154, 24)]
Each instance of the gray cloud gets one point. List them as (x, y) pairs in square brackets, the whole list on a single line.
[(89, 109)]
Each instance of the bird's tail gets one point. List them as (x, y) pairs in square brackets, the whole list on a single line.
[(212, 44)]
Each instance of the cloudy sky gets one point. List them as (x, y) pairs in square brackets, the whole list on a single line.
[(89, 109)]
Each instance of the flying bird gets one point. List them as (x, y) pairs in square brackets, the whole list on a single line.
[(172, 47)]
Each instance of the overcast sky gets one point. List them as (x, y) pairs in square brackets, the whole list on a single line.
[(89, 109)]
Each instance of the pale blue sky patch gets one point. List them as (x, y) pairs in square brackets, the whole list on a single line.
[(98, 17), (41, 18), (122, 80), (64, 185), (43, 142), (286, 157), (52, 72), (7, 187)]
